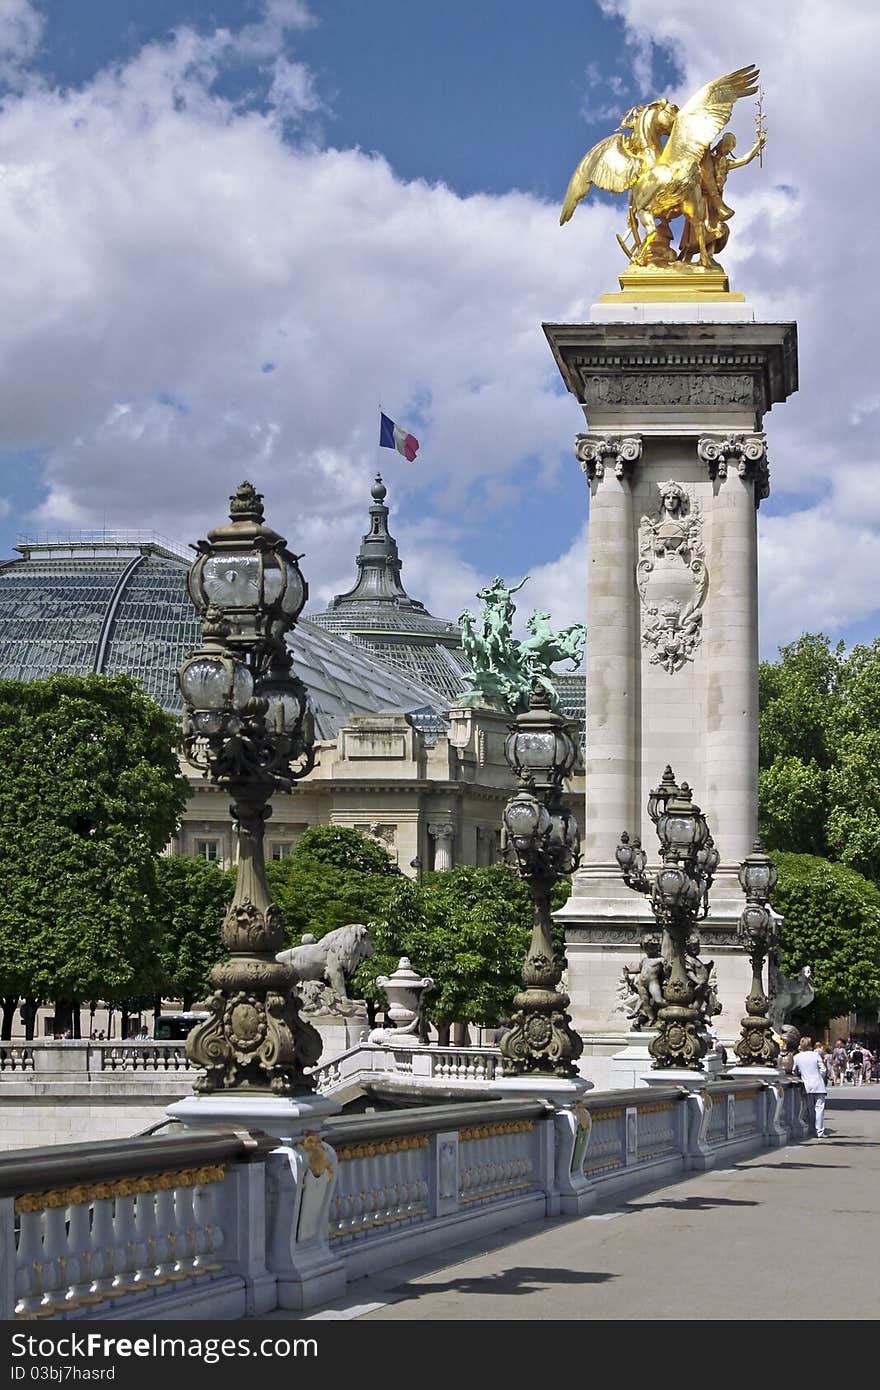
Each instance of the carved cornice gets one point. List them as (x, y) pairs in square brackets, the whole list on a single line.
[(747, 452), (622, 452)]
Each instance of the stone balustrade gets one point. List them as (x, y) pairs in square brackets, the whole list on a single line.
[(133, 1229), (383, 1069), (89, 1059), (69, 1090), (215, 1224)]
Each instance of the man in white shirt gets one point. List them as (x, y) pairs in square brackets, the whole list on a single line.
[(810, 1067)]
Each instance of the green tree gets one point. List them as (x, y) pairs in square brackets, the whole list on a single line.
[(340, 847), (832, 924), (191, 904), (334, 876), (468, 929), (820, 752), (91, 794)]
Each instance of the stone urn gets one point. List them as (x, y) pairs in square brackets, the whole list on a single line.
[(405, 992)]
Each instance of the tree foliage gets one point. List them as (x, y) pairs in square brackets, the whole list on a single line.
[(91, 794), (192, 897), (832, 924), (340, 847), (820, 752)]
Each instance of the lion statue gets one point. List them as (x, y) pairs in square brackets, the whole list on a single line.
[(322, 966)]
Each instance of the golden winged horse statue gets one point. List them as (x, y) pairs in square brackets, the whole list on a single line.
[(663, 155)]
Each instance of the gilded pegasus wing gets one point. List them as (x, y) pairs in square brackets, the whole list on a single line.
[(706, 114), (608, 165)]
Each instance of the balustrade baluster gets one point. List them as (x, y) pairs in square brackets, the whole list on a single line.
[(206, 1200), (185, 1230), (101, 1248), (124, 1255), (29, 1264), (145, 1241), (79, 1257), (54, 1261)]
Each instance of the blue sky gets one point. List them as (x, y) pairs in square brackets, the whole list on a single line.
[(233, 228)]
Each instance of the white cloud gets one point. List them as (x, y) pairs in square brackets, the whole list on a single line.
[(189, 299), (200, 301), (21, 28)]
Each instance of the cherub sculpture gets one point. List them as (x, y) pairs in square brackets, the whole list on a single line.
[(641, 990), (663, 156)]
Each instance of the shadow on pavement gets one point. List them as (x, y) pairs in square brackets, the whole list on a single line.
[(691, 1203), (519, 1280), (777, 1167)]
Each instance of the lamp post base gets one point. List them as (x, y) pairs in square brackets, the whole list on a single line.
[(288, 1117)]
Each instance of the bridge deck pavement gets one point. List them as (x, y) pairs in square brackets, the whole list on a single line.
[(790, 1233)]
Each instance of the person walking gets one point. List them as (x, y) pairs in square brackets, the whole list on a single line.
[(856, 1060), (867, 1064), (808, 1065), (838, 1057)]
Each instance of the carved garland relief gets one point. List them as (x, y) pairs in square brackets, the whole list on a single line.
[(672, 579)]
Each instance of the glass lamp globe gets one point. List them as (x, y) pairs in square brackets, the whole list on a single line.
[(247, 572), (541, 749), (286, 701), (758, 875), (678, 826), (671, 884), (526, 819), (214, 685)]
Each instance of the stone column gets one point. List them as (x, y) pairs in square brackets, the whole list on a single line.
[(737, 467), (612, 644), (442, 833)]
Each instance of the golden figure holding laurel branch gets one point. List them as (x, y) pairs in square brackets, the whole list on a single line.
[(685, 176)]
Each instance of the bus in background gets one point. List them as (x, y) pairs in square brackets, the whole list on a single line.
[(174, 1027)]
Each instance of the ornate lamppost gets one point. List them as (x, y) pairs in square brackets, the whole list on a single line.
[(540, 839), (248, 726), (679, 892), (757, 931)]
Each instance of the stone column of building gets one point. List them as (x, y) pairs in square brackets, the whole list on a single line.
[(608, 464), (672, 616), (443, 834), (737, 468)]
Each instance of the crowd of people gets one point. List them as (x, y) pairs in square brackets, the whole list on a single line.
[(850, 1063)]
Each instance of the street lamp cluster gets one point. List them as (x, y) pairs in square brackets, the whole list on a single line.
[(540, 839), (248, 726), (679, 893), (757, 931)]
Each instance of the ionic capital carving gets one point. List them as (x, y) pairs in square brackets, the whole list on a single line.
[(441, 830), (622, 452), (748, 452)]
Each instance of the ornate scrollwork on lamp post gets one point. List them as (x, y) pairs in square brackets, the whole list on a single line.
[(247, 725), (757, 933), (540, 839), (679, 893)]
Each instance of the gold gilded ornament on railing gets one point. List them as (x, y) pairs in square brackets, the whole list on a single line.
[(664, 157)]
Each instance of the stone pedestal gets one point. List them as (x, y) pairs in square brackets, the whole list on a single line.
[(675, 461), (339, 1032)]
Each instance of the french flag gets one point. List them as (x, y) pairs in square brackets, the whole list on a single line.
[(391, 436)]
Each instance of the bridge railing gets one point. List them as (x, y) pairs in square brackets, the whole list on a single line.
[(218, 1224)]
